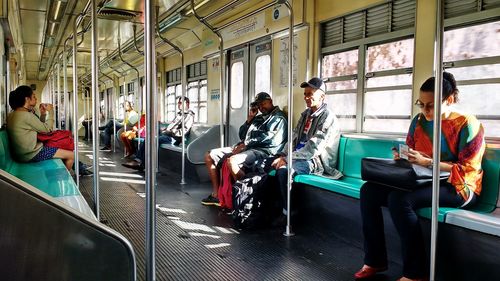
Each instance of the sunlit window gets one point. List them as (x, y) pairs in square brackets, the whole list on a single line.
[(340, 70), (263, 74), (236, 85), (388, 90), (472, 55), (197, 94)]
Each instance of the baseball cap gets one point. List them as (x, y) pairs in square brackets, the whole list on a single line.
[(315, 83), (260, 97)]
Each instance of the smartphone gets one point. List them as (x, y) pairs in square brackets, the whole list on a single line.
[(403, 151)]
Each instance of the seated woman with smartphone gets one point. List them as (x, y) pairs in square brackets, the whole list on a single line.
[(462, 150)]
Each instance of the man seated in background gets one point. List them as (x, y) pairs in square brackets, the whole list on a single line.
[(172, 134), (261, 135)]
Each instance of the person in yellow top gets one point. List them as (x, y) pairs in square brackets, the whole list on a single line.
[(131, 118), (23, 125)]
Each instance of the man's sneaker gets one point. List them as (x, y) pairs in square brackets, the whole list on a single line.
[(210, 201), (105, 148)]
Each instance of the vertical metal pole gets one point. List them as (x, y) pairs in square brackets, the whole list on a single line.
[(85, 111), (75, 105), (95, 107), (65, 89), (114, 113), (54, 101), (183, 96), (151, 139), (290, 116), (436, 140), (58, 73)]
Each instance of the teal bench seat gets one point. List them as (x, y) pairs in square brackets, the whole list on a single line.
[(352, 148), (49, 176)]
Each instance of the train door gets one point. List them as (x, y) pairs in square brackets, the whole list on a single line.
[(249, 74)]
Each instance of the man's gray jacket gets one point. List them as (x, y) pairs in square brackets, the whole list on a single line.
[(322, 140)]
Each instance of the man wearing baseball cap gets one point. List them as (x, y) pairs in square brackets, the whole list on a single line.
[(261, 136), (315, 139)]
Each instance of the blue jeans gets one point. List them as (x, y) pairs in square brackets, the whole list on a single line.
[(108, 132), (402, 206), (141, 154), (299, 167)]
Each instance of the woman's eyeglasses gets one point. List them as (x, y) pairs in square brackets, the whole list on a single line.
[(422, 105)]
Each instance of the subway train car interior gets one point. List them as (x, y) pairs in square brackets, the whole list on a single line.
[(250, 140)]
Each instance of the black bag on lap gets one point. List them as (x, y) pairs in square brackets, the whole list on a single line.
[(399, 174), (250, 198)]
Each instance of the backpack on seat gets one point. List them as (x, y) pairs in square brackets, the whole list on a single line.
[(250, 201)]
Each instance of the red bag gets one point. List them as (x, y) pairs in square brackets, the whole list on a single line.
[(58, 139), (225, 193)]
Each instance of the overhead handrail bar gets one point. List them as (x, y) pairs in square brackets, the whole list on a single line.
[(220, 10), (134, 27), (222, 70), (183, 94)]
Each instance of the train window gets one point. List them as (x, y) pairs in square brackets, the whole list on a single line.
[(263, 74), (388, 56), (121, 108), (388, 90), (237, 85), (131, 92), (340, 70), (344, 107), (391, 106), (472, 55), (203, 113), (197, 94), (170, 105), (340, 64)]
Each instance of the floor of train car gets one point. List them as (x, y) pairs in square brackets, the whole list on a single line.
[(195, 242)]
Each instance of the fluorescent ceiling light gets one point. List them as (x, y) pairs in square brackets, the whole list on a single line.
[(52, 27), (58, 8)]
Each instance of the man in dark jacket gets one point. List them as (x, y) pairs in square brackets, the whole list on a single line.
[(315, 140), (261, 135)]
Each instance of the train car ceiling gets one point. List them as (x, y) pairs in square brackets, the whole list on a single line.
[(42, 27)]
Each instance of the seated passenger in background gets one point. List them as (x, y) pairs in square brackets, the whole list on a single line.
[(262, 135), (128, 136), (315, 140), (23, 126), (462, 149), (131, 118), (87, 126), (170, 135)]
